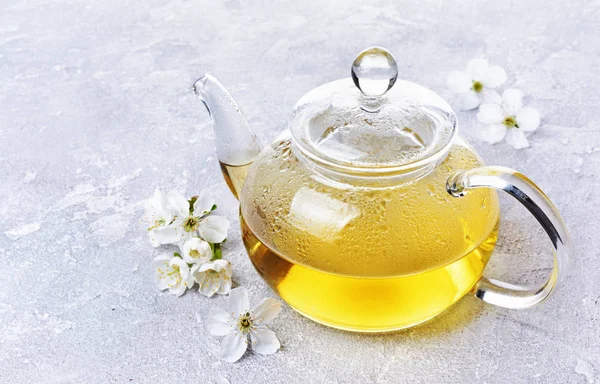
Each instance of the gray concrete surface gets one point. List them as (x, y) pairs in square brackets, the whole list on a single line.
[(96, 112)]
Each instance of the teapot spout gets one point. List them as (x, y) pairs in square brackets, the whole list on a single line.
[(237, 145)]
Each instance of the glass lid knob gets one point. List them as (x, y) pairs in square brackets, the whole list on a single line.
[(374, 71)]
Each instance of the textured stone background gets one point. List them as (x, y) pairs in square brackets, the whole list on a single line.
[(96, 112)]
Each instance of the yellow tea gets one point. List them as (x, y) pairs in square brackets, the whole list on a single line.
[(234, 177), (367, 304)]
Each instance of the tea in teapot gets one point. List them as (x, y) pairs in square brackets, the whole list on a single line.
[(369, 213)]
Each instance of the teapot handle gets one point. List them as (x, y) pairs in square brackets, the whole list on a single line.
[(527, 193)]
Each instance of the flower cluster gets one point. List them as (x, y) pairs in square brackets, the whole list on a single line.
[(505, 117), (191, 225)]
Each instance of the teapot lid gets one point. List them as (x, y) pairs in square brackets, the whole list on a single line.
[(373, 122)]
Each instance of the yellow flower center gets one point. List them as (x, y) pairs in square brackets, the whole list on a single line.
[(190, 224), (510, 122), (477, 86), (245, 322)]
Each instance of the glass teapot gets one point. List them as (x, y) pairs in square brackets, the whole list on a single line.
[(370, 213)]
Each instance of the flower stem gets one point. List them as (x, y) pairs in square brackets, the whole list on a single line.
[(216, 250)]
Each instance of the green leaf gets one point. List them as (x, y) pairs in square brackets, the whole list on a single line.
[(192, 201), (213, 207), (176, 254)]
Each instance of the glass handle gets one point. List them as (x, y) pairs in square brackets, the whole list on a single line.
[(527, 193)]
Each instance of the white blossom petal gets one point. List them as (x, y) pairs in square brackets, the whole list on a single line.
[(491, 114), (220, 265), (188, 279), (157, 208), (459, 82), (225, 287), (238, 301), (179, 262), (493, 133), (161, 260), (178, 290), (219, 322), (157, 215), (528, 119), (170, 234), (233, 346), (181, 243), (185, 279), (512, 101), (213, 277), (208, 285), (194, 270), (469, 100), (516, 138), (155, 201), (196, 251), (204, 203), (264, 341), (490, 96), (172, 273), (179, 204), (210, 266), (494, 77), (477, 69), (226, 267), (185, 236), (265, 311), (163, 279), (153, 242), (214, 228), (165, 283)]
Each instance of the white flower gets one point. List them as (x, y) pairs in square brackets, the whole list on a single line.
[(211, 228), (239, 322), (157, 216), (213, 277), (196, 251), (173, 273), (508, 120), (476, 86)]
